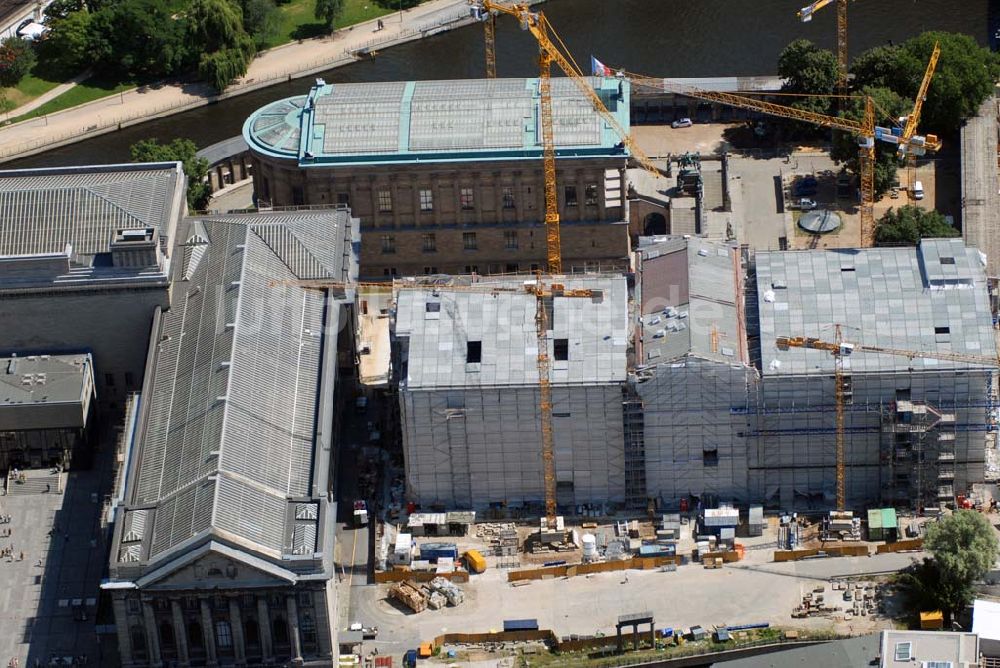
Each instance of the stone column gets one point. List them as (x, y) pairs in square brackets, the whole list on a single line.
[(124, 630), (236, 622), (180, 633), (264, 622), (293, 629), (396, 204), (208, 633), (152, 634)]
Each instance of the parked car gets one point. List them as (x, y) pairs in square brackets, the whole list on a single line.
[(805, 204), (682, 123)]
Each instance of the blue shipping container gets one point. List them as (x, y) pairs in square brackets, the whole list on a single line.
[(520, 625), (433, 551)]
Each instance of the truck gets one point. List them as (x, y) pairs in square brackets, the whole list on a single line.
[(474, 561), (360, 513)]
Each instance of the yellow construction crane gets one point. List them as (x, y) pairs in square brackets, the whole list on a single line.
[(841, 349), (490, 42), (911, 144), (806, 14)]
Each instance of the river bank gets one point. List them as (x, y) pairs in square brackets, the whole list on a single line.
[(278, 65)]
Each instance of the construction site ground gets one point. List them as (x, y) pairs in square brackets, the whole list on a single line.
[(752, 590), (757, 215)]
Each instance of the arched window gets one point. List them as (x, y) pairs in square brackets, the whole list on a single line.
[(251, 633), (279, 630), (223, 635), (138, 641), (195, 638), (167, 640)]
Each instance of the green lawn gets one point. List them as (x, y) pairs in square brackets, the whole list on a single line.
[(298, 22), (30, 87), (86, 91)]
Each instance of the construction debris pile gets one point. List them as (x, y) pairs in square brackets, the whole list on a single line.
[(860, 600), (435, 594)]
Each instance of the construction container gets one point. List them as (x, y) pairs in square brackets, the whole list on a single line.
[(658, 550), (589, 542), (520, 625), (932, 619), (434, 551), (410, 659), (698, 633), (403, 549), (715, 519), (425, 650), (882, 524), (476, 562), (755, 521)]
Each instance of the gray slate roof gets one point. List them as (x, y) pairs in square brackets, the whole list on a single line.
[(43, 210), (931, 298), (230, 435), (688, 296), (504, 323)]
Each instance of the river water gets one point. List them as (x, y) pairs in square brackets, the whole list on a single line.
[(658, 37)]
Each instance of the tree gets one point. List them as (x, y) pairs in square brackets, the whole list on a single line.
[(260, 20), (328, 11), (808, 69), (67, 46), (216, 30), (17, 57), (962, 81), (60, 9), (184, 151), (964, 544), (137, 39), (909, 224), (964, 548)]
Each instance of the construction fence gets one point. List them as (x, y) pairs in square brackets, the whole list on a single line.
[(399, 575), (901, 546), (571, 570), (839, 551)]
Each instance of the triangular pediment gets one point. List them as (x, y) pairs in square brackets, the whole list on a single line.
[(214, 565)]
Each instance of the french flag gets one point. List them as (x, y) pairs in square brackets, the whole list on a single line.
[(599, 69)]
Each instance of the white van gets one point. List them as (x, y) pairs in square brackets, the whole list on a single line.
[(918, 190)]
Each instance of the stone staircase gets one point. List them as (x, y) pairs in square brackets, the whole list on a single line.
[(35, 482)]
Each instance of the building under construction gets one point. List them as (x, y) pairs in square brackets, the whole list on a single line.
[(689, 395), (466, 365)]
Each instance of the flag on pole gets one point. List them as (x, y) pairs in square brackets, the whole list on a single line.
[(599, 69)]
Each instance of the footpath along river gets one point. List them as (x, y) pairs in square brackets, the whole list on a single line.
[(659, 37)]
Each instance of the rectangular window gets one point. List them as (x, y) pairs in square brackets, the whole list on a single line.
[(129, 380), (223, 635), (133, 606), (508, 197), (510, 239), (429, 242), (570, 192), (344, 199), (385, 201), (298, 197), (902, 652), (109, 379), (947, 260), (430, 270), (388, 243), (466, 198), (472, 268), (560, 349), (590, 194), (512, 267), (426, 200), (469, 241), (305, 599), (942, 330), (710, 457), (473, 352), (389, 271)]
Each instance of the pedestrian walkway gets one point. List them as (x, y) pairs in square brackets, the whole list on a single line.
[(283, 63), (29, 107), (45, 481)]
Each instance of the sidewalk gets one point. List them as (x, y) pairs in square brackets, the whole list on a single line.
[(28, 107), (282, 63)]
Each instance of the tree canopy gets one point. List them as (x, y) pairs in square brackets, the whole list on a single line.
[(216, 28), (806, 68), (909, 224), (185, 151), (962, 81), (328, 11), (964, 548), (137, 39), (17, 57)]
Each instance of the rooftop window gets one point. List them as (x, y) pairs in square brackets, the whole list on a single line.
[(473, 352)]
